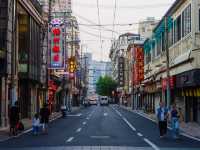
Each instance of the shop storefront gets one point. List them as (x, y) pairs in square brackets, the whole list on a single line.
[(188, 94), (152, 95)]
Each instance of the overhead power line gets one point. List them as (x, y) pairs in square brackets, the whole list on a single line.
[(147, 6), (114, 17), (91, 23), (95, 35), (99, 22)]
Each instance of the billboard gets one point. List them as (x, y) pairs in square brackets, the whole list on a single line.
[(57, 44)]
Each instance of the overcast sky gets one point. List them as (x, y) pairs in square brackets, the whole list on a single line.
[(127, 12)]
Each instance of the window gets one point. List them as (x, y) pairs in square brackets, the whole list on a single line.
[(170, 37), (177, 29), (186, 21), (163, 41), (158, 47), (199, 19)]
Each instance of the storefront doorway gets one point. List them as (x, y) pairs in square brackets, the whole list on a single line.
[(191, 109)]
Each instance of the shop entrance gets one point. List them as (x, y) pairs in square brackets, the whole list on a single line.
[(191, 109)]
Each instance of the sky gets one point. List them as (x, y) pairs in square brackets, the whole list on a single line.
[(127, 14)]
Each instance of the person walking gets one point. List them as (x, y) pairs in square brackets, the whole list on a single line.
[(14, 118), (162, 116), (175, 121), (36, 124), (45, 113)]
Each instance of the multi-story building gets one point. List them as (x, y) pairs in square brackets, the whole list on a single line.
[(119, 58), (23, 57), (121, 61), (181, 24), (145, 27)]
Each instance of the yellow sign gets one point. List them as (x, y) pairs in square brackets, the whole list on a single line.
[(72, 65)]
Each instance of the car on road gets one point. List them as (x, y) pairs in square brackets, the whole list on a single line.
[(104, 100), (93, 101)]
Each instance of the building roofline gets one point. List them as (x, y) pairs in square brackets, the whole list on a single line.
[(169, 11)]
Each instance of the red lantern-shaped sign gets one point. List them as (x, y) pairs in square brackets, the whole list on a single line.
[(56, 32), (56, 49), (56, 40), (56, 58)]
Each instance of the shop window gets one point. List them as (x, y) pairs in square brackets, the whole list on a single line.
[(23, 28)]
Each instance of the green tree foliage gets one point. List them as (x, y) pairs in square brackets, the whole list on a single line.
[(105, 85)]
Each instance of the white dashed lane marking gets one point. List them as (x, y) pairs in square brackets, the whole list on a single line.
[(70, 139), (129, 124), (151, 144), (84, 123), (139, 134), (79, 130)]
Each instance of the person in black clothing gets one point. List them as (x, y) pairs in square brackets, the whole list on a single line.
[(14, 118), (44, 114)]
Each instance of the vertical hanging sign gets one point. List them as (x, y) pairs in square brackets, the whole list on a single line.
[(57, 44)]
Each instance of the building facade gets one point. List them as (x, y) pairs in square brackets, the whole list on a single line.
[(180, 29), (23, 57)]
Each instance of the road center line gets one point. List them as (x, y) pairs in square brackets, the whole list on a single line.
[(151, 144), (129, 124), (79, 130), (105, 114), (70, 139)]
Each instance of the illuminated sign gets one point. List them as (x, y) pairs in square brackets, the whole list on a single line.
[(57, 44)]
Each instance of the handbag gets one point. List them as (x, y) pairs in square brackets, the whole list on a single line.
[(20, 126)]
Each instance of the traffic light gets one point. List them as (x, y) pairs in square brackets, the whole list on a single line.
[(72, 65)]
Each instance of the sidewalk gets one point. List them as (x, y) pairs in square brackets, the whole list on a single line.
[(4, 132), (187, 129)]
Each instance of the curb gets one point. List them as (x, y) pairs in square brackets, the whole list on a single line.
[(145, 116)]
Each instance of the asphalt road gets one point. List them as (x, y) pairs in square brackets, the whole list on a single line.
[(100, 127)]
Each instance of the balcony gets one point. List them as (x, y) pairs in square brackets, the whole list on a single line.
[(180, 48)]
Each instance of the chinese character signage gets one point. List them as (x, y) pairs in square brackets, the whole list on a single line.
[(57, 44), (138, 71), (121, 72), (171, 83)]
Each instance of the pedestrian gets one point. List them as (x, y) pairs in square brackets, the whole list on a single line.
[(14, 118), (36, 124), (175, 121), (162, 116), (44, 113)]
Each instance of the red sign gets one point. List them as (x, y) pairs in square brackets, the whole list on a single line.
[(138, 67), (57, 46), (171, 83)]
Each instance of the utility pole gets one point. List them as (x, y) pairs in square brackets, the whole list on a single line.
[(167, 61)]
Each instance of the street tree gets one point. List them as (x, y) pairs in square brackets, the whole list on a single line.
[(105, 85)]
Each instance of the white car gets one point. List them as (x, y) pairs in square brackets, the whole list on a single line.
[(93, 102), (104, 100)]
